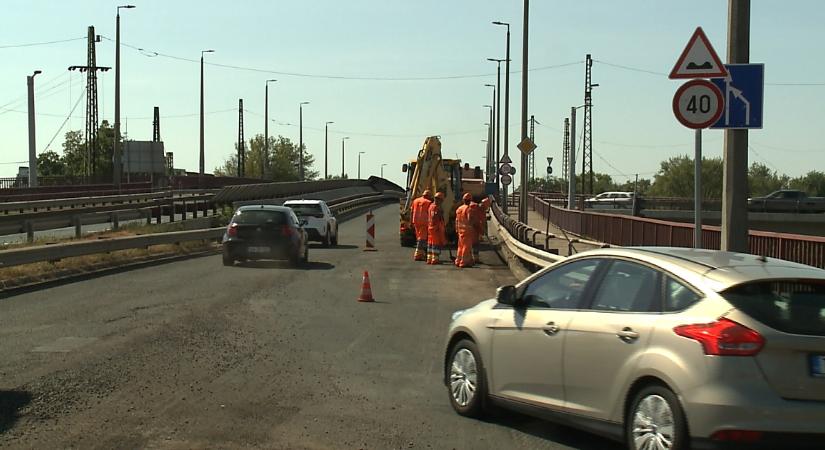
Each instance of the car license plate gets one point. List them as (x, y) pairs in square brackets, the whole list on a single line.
[(818, 366), (258, 249)]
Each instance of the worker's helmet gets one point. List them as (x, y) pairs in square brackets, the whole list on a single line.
[(427, 194), (467, 198), (439, 195)]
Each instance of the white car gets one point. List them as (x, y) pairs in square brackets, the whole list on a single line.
[(321, 225), (610, 200)]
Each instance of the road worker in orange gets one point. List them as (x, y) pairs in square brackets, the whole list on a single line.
[(437, 230), (465, 220), (419, 213), (479, 218)]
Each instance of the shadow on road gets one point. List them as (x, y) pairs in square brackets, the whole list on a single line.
[(333, 247), (11, 402), (311, 265), (550, 431)]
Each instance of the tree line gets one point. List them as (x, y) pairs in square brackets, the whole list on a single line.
[(675, 179)]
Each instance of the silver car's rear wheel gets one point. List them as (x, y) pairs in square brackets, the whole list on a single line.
[(656, 421), (465, 379)]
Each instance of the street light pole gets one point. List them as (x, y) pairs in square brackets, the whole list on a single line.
[(506, 102), (359, 164), (202, 162), (343, 173), (301, 140), (116, 163), (498, 118), (265, 159), (492, 161), (522, 207), (382, 170), (326, 147), (32, 149)]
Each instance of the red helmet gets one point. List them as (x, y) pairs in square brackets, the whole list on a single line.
[(467, 197), (439, 195)]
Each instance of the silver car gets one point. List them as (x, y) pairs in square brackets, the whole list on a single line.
[(661, 348)]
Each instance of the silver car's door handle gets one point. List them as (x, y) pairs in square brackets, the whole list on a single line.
[(551, 328), (627, 334)]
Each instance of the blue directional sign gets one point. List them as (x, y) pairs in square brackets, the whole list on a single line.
[(743, 90)]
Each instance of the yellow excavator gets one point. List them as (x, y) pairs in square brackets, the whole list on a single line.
[(431, 171)]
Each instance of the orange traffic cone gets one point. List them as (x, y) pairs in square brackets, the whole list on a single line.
[(366, 290)]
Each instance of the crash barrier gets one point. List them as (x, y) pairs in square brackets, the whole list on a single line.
[(54, 252), (263, 191), (637, 231), (520, 239), (370, 245), (55, 192), (644, 202), (28, 217)]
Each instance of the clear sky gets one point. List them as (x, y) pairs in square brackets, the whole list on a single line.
[(372, 40)]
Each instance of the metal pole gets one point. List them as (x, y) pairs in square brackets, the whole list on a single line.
[(571, 169), (326, 148), (359, 165), (498, 123), (301, 142), (32, 147), (507, 108), (116, 161), (522, 211), (266, 131), (735, 178), (697, 192), (201, 163)]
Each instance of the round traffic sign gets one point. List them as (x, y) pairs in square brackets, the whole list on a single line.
[(698, 104), (506, 179), (504, 169)]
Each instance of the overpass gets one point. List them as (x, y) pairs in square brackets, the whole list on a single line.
[(188, 353)]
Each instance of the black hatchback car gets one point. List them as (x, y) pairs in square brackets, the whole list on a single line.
[(265, 232)]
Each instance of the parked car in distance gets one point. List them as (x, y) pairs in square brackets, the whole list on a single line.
[(320, 225), (787, 201), (610, 200), (662, 348), (265, 232)]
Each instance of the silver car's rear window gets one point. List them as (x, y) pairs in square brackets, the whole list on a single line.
[(795, 306), (304, 210)]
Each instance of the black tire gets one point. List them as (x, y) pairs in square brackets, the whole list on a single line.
[(228, 260), (655, 393), (335, 236), (475, 406)]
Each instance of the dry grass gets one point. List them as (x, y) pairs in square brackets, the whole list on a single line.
[(44, 271)]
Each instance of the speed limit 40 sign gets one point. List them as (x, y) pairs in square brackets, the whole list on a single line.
[(698, 104)]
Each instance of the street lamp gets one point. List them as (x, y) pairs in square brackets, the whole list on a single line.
[(202, 162), (571, 171), (343, 173), (32, 150), (382, 170), (506, 101), (265, 161), (359, 164), (116, 163), (489, 142), (498, 115), (301, 140), (326, 145)]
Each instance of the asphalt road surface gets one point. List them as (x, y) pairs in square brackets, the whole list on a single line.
[(191, 354)]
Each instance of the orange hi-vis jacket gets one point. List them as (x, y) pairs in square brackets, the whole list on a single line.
[(437, 228), (419, 211), (465, 222)]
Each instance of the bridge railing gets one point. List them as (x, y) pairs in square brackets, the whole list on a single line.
[(624, 230)]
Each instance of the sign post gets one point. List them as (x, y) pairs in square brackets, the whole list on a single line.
[(699, 104)]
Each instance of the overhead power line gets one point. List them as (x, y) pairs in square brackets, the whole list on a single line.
[(82, 94), (152, 53), (34, 44), (653, 72)]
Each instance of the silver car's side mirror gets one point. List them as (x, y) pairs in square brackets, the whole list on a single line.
[(506, 295)]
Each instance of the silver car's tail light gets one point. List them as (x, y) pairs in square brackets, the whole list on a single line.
[(723, 337)]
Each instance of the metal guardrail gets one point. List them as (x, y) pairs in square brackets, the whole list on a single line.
[(637, 231), (55, 252), (520, 239)]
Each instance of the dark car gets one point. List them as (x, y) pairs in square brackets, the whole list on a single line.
[(265, 232)]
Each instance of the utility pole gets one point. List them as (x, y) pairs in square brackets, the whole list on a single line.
[(735, 178), (301, 140), (493, 134), (32, 148), (343, 173), (326, 148), (265, 162), (116, 160), (565, 151), (202, 163), (241, 143), (359, 164), (91, 68), (587, 129), (522, 209), (571, 171), (497, 105)]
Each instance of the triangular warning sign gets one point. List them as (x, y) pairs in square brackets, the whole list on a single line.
[(698, 59), (505, 160)]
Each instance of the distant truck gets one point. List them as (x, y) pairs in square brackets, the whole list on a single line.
[(787, 201)]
